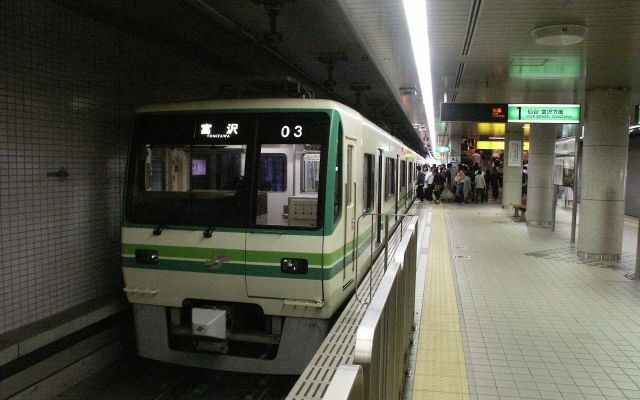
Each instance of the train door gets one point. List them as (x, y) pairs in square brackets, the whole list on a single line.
[(380, 192), (397, 187), (350, 241), (284, 240)]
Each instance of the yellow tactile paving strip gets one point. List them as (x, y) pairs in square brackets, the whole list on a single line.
[(440, 371)]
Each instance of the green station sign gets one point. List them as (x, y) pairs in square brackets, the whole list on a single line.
[(544, 113)]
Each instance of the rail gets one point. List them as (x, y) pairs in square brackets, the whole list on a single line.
[(384, 248), (364, 355), (384, 334), (347, 383)]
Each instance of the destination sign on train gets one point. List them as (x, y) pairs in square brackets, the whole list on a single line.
[(208, 130), (544, 113)]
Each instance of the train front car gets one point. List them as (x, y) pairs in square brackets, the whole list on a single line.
[(230, 211), (240, 221)]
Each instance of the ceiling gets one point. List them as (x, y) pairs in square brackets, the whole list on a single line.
[(483, 50), (358, 51)]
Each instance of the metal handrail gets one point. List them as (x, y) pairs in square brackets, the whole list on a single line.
[(347, 383), (384, 246), (384, 334), (384, 362)]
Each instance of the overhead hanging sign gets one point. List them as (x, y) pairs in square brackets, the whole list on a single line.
[(475, 112), (544, 113)]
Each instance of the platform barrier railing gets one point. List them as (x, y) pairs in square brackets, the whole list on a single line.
[(347, 383), (384, 334), (401, 224)]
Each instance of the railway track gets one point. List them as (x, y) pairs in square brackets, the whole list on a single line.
[(141, 379)]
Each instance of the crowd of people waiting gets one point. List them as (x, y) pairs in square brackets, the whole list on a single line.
[(459, 183)]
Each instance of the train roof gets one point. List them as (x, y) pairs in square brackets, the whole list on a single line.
[(266, 103)]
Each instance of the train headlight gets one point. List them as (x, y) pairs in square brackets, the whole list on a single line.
[(294, 265), (147, 256)]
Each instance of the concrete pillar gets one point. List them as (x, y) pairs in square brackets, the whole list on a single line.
[(602, 179), (455, 141), (512, 168), (540, 190)]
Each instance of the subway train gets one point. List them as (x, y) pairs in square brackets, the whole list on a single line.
[(239, 225)]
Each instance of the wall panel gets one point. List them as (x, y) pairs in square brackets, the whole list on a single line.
[(68, 88)]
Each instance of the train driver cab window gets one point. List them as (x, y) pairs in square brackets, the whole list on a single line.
[(187, 170), (291, 158), (226, 169)]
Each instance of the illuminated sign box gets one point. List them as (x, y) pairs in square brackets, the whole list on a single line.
[(496, 145), (544, 113), (473, 112), (523, 113)]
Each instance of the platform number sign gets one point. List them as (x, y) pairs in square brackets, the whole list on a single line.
[(544, 113)]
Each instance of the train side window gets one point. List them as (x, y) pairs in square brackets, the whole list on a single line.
[(390, 177), (368, 183), (349, 194), (412, 170), (403, 175)]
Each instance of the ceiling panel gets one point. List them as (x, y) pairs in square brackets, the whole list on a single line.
[(482, 50)]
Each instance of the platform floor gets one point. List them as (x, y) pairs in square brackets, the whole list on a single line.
[(511, 312)]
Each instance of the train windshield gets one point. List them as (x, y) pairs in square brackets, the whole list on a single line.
[(228, 170)]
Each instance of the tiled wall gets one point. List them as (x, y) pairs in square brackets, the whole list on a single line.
[(68, 88)]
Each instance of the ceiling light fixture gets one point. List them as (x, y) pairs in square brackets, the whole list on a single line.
[(559, 35), (416, 15)]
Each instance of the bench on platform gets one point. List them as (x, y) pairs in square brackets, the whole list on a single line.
[(519, 211)]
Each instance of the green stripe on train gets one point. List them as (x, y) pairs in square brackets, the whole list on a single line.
[(197, 260), (268, 271), (234, 255), (238, 255)]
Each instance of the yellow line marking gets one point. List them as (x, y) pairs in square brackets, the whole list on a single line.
[(440, 367)]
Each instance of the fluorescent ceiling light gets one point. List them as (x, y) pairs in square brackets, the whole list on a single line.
[(416, 13)]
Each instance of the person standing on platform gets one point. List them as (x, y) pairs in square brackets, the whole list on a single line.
[(459, 186), (476, 157), (420, 184), (449, 175), (496, 177), (466, 186), (480, 187), (438, 184), (428, 183)]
